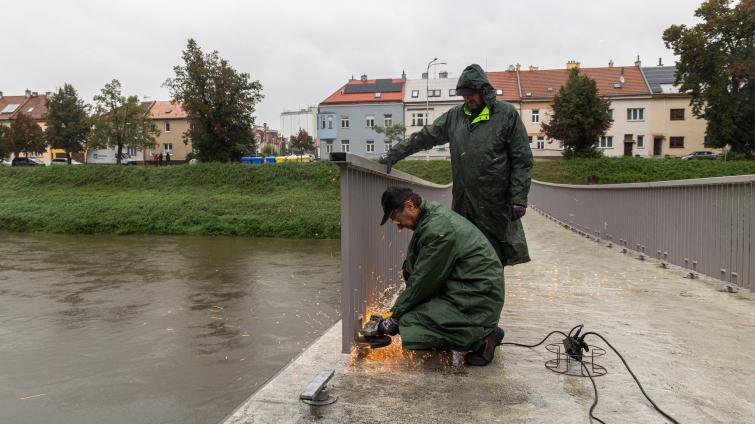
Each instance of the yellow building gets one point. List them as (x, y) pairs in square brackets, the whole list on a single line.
[(172, 121)]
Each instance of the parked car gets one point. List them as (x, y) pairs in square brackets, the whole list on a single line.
[(701, 155), (64, 161), (24, 161), (108, 156), (5, 162)]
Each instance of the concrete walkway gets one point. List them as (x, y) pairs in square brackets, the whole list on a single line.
[(692, 347)]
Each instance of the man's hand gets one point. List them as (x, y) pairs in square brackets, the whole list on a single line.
[(388, 326), (517, 211), (386, 160)]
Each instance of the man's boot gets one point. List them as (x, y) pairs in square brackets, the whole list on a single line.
[(484, 355)]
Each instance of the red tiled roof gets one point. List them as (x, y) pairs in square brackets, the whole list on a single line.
[(162, 109), (37, 104), (537, 82), (506, 81), (340, 97)]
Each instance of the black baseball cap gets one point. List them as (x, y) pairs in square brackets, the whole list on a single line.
[(393, 198)]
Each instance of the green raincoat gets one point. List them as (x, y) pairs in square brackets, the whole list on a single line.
[(454, 290), (491, 163)]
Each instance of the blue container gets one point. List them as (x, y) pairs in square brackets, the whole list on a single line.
[(256, 160), (270, 159), (246, 160)]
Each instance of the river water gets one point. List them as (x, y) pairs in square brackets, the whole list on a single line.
[(125, 329)]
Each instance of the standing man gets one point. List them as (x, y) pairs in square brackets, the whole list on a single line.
[(454, 281), (491, 162)]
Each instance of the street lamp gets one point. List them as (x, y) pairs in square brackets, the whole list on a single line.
[(427, 92)]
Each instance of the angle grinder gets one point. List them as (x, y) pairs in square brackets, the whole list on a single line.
[(369, 335)]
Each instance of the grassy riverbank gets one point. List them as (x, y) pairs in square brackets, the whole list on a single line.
[(287, 200), (600, 171), (293, 200)]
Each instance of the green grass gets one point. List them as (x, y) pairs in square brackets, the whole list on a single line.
[(631, 170), (436, 171), (284, 200)]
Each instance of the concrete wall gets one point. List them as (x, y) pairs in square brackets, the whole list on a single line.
[(662, 127), (357, 133)]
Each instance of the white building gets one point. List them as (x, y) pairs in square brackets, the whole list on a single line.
[(293, 121), (424, 101)]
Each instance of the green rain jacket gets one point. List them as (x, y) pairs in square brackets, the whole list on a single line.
[(491, 163), (454, 290)]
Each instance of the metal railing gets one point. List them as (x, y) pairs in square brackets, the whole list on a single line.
[(703, 225), (371, 255)]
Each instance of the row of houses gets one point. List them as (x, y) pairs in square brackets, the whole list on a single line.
[(650, 116), (170, 118)]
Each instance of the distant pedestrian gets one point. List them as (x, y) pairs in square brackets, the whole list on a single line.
[(155, 159), (167, 158), (160, 159)]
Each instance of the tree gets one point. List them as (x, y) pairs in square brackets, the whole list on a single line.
[(717, 68), (5, 149), (579, 116), (219, 102), (121, 121), (393, 133), (302, 142), (268, 150), (24, 135), (68, 124)]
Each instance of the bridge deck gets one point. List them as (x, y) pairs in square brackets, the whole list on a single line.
[(691, 345)]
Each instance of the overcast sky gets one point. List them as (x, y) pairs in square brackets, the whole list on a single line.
[(302, 51)]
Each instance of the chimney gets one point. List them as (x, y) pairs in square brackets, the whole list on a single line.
[(610, 63), (660, 63), (364, 77), (443, 74), (518, 66), (28, 93), (572, 64), (403, 75), (638, 63), (424, 75), (534, 68)]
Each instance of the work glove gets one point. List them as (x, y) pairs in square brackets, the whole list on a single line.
[(517, 211), (387, 161), (388, 326)]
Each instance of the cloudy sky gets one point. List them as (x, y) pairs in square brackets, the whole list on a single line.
[(301, 51)]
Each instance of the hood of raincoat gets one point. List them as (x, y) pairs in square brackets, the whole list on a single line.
[(474, 77)]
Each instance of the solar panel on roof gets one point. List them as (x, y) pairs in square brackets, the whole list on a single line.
[(10, 108), (381, 85)]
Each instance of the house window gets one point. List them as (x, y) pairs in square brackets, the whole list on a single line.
[(530, 137), (345, 122), (452, 92), (433, 93), (167, 126), (131, 151), (415, 94), (168, 148), (498, 92), (541, 142), (323, 122), (677, 114), (561, 145), (329, 147), (676, 142), (418, 119), (535, 115), (640, 141), (605, 142), (610, 113), (370, 121), (330, 122), (388, 146), (387, 119), (635, 114), (345, 146), (370, 146)]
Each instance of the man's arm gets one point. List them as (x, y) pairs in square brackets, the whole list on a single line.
[(427, 137), (433, 266), (520, 157)]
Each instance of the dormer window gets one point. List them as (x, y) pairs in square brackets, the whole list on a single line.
[(378, 94)]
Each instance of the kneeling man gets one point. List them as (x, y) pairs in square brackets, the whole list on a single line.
[(454, 281)]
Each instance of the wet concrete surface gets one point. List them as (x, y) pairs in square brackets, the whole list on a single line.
[(691, 345), (136, 329)]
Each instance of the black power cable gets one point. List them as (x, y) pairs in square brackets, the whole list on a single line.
[(573, 334)]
